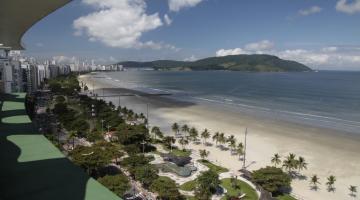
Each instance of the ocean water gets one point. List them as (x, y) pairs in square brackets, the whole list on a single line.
[(323, 99)]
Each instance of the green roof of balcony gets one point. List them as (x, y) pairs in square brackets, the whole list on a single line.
[(31, 167)]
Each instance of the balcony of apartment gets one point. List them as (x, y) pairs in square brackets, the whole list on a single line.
[(31, 167)]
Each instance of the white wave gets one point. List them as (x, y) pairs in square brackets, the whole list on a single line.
[(299, 114)]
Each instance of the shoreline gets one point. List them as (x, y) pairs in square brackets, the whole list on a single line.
[(328, 152)]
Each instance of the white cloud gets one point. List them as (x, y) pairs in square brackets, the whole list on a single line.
[(167, 19), (310, 11), (323, 59), (259, 46), (349, 7), (329, 49), (304, 56), (191, 58), (227, 52), (176, 5), (118, 23)]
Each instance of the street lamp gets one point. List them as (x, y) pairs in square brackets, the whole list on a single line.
[(244, 161), (102, 126), (143, 143)]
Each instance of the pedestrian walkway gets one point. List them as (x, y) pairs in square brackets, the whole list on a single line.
[(31, 167)]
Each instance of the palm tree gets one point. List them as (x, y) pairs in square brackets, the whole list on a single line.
[(301, 164), (232, 145), (183, 141), (231, 138), (205, 135), (353, 190), (169, 141), (330, 182), (290, 163), (287, 165), (175, 128), (203, 153), (314, 181), (222, 138), (185, 129), (276, 159), (215, 138), (155, 130), (240, 149), (193, 134)]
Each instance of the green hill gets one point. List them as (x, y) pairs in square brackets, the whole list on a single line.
[(250, 63)]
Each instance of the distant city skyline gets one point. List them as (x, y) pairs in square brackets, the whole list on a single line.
[(320, 34)]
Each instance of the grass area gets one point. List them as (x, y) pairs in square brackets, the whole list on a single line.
[(213, 167), (182, 153), (178, 152), (285, 197), (190, 198), (188, 186), (244, 188)]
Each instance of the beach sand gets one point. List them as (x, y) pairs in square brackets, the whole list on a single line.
[(327, 152)]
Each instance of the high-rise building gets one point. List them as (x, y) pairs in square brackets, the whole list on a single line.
[(54, 71), (5, 71)]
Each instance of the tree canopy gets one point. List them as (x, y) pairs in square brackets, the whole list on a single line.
[(118, 184), (272, 179)]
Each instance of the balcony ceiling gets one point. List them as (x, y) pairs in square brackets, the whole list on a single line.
[(17, 16)]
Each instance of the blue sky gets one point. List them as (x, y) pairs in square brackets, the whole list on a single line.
[(323, 34)]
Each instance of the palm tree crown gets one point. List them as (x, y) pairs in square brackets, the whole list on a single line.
[(315, 180), (331, 181), (183, 141), (175, 128), (276, 159), (203, 153), (215, 137), (353, 190), (205, 135), (185, 128), (194, 134)]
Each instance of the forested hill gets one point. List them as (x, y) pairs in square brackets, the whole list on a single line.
[(250, 63)]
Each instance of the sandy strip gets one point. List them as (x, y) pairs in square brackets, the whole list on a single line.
[(328, 152)]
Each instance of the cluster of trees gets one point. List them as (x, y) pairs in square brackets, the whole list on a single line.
[(330, 184), (68, 85), (206, 185), (70, 118), (141, 170), (272, 179), (188, 134), (290, 163), (94, 158)]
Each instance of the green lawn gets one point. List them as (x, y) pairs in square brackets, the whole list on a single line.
[(188, 186), (178, 152), (285, 197), (244, 188), (211, 166)]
